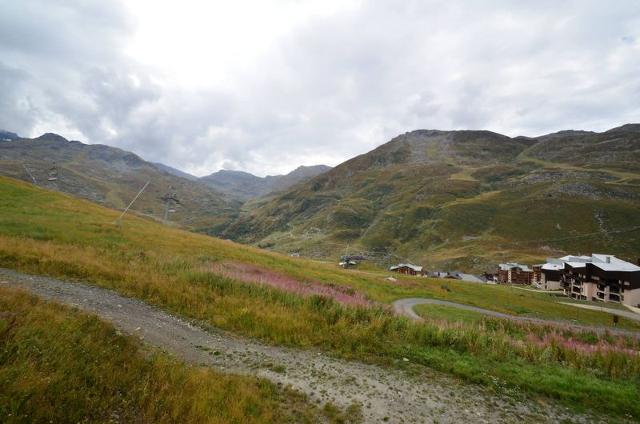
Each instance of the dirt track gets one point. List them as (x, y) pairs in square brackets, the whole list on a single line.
[(390, 395)]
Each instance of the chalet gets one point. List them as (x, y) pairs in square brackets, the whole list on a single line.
[(514, 273), (548, 276), (602, 278), (407, 269)]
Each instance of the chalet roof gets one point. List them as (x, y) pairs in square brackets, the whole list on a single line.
[(416, 268), (604, 262), (511, 265), (553, 267), (582, 259), (611, 263)]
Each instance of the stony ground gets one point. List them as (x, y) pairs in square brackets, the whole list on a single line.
[(410, 395)]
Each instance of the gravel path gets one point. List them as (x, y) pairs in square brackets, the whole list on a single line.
[(404, 307), (385, 394)]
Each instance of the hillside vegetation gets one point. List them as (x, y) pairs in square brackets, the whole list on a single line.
[(464, 199), (61, 365), (295, 302), (112, 177)]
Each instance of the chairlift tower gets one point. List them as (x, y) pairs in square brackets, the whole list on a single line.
[(53, 173), (170, 202)]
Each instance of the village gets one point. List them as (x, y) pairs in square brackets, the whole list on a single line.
[(598, 278)]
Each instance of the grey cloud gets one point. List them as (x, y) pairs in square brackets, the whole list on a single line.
[(331, 89)]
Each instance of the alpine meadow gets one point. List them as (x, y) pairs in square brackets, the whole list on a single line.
[(319, 212)]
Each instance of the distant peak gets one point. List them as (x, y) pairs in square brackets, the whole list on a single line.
[(52, 137), (227, 173), (8, 136), (565, 133), (626, 128), (232, 172), (311, 167)]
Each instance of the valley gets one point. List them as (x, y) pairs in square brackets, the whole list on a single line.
[(319, 212), (453, 200)]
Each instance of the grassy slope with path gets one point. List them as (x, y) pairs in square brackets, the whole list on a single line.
[(50, 233), (61, 365)]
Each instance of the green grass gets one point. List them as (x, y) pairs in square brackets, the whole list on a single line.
[(448, 313), (60, 365), (48, 233)]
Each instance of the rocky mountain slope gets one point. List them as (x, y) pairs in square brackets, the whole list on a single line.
[(112, 177), (464, 199), (244, 186)]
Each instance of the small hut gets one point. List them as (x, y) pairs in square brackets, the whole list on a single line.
[(407, 269)]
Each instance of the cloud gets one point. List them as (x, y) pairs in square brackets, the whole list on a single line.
[(267, 86)]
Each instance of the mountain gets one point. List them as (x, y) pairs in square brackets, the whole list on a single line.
[(112, 177), (174, 171), (244, 186), (8, 136), (463, 199)]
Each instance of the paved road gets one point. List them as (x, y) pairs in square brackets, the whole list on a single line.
[(404, 307), (386, 394)]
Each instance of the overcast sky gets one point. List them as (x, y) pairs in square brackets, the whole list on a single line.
[(265, 85)]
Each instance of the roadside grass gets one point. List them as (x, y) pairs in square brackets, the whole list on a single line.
[(448, 314), (61, 365), (49, 233)]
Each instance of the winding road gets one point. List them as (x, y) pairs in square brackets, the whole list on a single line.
[(404, 307), (386, 394)]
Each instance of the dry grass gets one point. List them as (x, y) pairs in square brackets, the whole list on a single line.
[(61, 365)]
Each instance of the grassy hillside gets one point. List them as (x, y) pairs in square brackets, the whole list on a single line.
[(464, 199), (303, 303), (61, 365), (112, 177)]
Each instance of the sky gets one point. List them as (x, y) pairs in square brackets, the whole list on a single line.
[(265, 86)]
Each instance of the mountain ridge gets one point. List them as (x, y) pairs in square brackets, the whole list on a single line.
[(246, 186), (464, 199)]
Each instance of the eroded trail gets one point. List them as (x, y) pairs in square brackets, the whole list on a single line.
[(390, 395)]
